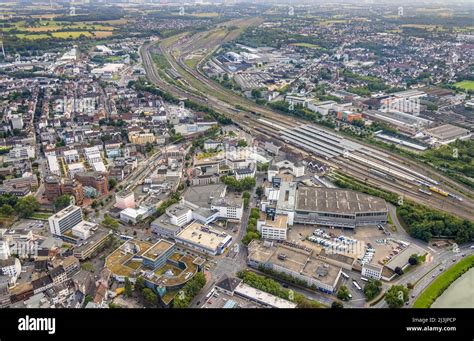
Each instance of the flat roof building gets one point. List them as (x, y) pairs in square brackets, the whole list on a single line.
[(448, 133), (65, 220), (263, 297), (203, 239), (338, 207), (296, 261)]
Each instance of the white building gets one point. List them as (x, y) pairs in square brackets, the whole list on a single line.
[(179, 214), (83, 229), (4, 250), (22, 152), (99, 167), (135, 215), (321, 107), (296, 169), (53, 164), (71, 156), (92, 155), (10, 267), (273, 228), (228, 209), (17, 121), (372, 271), (65, 220), (75, 168), (243, 173)]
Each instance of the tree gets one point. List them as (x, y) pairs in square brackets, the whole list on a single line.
[(242, 143), (61, 202), (109, 222), (112, 183), (87, 266), (343, 293), (256, 93), (150, 296), (6, 210), (396, 296), (259, 192), (413, 260), (26, 206), (249, 236), (337, 305), (246, 203), (372, 289), (139, 284), (128, 288), (399, 271)]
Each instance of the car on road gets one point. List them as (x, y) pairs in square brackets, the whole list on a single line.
[(412, 296), (198, 302), (284, 285), (433, 276)]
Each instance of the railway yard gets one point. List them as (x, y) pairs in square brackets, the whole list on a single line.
[(378, 168)]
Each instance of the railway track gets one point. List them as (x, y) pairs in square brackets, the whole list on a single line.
[(261, 121)]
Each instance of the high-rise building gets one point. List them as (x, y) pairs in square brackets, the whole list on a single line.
[(65, 220)]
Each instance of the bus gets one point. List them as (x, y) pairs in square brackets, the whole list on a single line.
[(209, 294), (346, 276), (356, 285), (125, 237), (364, 279)]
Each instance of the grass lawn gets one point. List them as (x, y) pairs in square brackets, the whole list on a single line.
[(439, 285), (41, 216), (72, 34), (32, 36), (465, 85), (308, 45), (205, 15), (191, 63)]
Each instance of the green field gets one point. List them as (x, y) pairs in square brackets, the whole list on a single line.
[(41, 216), (308, 45), (192, 62), (465, 85), (432, 292), (45, 29)]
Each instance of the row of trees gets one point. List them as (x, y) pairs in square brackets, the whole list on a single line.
[(239, 185), (272, 287), (252, 232)]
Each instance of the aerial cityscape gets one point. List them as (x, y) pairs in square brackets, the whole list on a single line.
[(227, 154)]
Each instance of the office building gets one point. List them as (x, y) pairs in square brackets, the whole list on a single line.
[(65, 220)]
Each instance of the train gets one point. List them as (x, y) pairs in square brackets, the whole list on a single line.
[(381, 174), (439, 191), (455, 197)]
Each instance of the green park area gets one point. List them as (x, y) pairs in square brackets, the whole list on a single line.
[(465, 85)]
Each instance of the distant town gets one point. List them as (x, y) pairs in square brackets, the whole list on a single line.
[(236, 155)]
